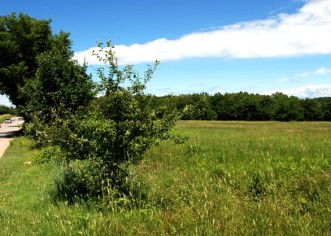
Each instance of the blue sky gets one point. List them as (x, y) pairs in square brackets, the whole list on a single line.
[(257, 46)]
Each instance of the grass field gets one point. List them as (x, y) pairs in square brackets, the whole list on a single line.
[(229, 178)]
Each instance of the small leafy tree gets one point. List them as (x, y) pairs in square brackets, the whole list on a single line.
[(119, 129), (135, 119)]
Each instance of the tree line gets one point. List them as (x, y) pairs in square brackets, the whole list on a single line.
[(246, 106), (7, 110)]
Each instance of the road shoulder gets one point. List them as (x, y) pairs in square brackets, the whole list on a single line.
[(7, 132)]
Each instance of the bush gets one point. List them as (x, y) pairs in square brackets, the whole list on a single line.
[(47, 154), (99, 146)]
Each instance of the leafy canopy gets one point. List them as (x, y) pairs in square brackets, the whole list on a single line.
[(22, 40)]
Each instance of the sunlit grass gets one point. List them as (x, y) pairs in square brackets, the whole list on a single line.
[(4, 117), (232, 178), (246, 177)]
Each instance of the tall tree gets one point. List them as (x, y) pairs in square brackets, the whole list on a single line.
[(287, 108), (312, 109), (197, 107), (22, 40)]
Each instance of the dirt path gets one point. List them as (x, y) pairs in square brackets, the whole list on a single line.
[(7, 131)]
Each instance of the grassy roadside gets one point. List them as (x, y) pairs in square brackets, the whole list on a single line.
[(26, 207), (4, 116), (232, 178), (22, 188)]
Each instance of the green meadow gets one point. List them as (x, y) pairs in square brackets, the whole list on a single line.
[(227, 178)]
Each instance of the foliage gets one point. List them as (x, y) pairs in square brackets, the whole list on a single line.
[(22, 40), (287, 108), (49, 154), (100, 144), (7, 110), (59, 95), (122, 126), (197, 107), (245, 106), (61, 86)]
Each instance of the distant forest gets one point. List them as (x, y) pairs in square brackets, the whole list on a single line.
[(7, 110), (238, 106), (245, 106)]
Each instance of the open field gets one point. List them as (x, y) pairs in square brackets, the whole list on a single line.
[(231, 178)]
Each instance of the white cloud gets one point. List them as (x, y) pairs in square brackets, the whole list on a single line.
[(282, 80), (306, 91), (294, 79), (304, 74), (307, 32), (319, 71), (323, 71)]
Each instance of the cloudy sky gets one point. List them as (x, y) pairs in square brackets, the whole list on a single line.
[(257, 46)]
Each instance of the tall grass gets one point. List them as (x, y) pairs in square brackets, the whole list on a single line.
[(231, 178)]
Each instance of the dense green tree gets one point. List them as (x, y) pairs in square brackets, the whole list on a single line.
[(245, 106), (7, 110), (325, 104), (287, 108), (163, 105), (22, 40), (197, 107), (60, 94), (227, 108), (60, 85), (326, 110), (311, 109), (266, 108)]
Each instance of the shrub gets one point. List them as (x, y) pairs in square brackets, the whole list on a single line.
[(114, 133)]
